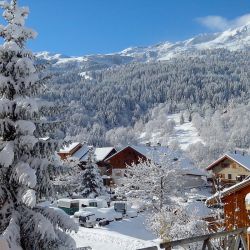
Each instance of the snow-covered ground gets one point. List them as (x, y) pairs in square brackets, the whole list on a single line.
[(132, 233), (128, 234), (186, 134)]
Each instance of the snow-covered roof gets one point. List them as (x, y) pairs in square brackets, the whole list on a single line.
[(243, 160), (69, 148), (80, 152), (99, 153), (230, 190), (102, 153), (158, 154), (153, 153), (195, 171), (44, 138)]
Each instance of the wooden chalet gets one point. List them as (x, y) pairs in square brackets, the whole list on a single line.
[(68, 151), (123, 158), (230, 168), (233, 200), (130, 155), (100, 154)]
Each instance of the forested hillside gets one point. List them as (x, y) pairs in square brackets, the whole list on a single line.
[(121, 95)]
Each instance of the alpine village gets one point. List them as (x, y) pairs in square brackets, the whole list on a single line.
[(143, 149)]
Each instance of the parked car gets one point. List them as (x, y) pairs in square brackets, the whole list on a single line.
[(89, 219), (86, 219), (104, 213), (124, 208), (70, 206)]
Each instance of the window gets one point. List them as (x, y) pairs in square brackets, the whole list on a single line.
[(234, 165), (93, 204), (74, 205), (225, 165), (229, 176), (117, 173)]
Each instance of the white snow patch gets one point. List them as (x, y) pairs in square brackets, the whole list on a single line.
[(128, 234), (29, 198), (25, 127), (67, 149), (85, 76), (186, 134), (25, 174), (7, 155)]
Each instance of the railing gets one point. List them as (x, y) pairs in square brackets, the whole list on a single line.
[(232, 240)]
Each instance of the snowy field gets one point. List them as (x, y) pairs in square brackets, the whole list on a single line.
[(128, 234), (186, 134)]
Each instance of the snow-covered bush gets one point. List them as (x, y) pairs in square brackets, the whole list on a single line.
[(174, 222), (27, 162)]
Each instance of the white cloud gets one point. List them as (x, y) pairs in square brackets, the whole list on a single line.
[(220, 23)]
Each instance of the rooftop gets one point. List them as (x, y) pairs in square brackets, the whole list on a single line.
[(99, 153), (240, 158), (69, 148), (161, 154), (230, 190)]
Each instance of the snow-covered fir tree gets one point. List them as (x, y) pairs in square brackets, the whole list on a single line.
[(26, 162), (91, 183)]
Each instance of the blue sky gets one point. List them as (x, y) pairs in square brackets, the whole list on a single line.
[(79, 27)]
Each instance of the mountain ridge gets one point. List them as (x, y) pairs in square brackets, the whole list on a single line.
[(231, 39)]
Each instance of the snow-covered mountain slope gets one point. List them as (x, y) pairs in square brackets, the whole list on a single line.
[(184, 134), (232, 39)]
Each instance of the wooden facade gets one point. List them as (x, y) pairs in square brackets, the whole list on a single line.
[(125, 157), (119, 161), (233, 200), (236, 215)]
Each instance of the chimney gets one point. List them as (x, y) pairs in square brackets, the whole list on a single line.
[(243, 153), (235, 151), (158, 144), (148, 144)]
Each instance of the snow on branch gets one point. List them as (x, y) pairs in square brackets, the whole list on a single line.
[(25, 175), (29, 198), (59, 218), (7, 155)]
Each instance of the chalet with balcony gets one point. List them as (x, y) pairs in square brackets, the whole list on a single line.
[(231, 168)]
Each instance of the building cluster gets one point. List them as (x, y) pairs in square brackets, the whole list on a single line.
[(228, 175), (113, 163), (231, 184)]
